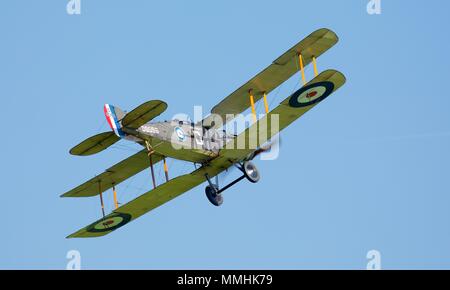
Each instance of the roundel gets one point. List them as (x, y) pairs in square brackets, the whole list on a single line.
[(110, 223), (180, 133), (311, 94)]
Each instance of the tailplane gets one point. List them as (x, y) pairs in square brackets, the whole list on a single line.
[(95, 144)]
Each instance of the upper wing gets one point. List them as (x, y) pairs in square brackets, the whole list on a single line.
[(114, 175), (95, 144), (286, 113), (137, 207), (278, 72)]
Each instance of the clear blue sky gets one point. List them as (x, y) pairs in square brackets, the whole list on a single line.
[(366, 169)]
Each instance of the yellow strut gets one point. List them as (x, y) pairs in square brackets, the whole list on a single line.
[(252, 103), (302, 69), (316, 72), (166, 170), (266, 105), (116, 204)]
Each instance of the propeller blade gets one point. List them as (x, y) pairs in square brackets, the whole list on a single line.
[(265, 148)]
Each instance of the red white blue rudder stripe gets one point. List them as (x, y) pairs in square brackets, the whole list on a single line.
[(113, 120)]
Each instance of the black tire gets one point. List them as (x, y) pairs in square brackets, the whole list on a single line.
[(213, 196), (251, 172)]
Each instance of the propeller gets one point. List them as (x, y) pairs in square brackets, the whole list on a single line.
[(265, 148), (275, 141)]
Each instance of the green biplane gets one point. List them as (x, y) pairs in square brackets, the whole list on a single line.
[(205, 142)]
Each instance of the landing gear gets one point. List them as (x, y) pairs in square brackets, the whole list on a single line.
[(214, 194), (251, 172)]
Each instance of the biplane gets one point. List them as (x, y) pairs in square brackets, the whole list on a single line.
[(204, 143)]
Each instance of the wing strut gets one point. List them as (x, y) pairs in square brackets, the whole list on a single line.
[(166, 169), (302, 68), (152, 170), (116, 204), (266, 105), (101, 197), (316, 72), (264, 94), (252, 103)]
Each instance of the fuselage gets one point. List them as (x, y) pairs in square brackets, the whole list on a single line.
[(181, 140)]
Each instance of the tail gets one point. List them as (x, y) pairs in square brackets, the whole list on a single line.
[(102, 141), (114, 117)]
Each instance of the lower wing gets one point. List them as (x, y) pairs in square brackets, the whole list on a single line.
[(137, 207)]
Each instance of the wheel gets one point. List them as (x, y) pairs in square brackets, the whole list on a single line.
[(251, 172), (212, 195)]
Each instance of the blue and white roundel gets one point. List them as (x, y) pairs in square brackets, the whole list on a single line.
[(109, 223), (180, 133), (311, 94)]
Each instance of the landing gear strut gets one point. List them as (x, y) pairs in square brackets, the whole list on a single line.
[(214, 194)]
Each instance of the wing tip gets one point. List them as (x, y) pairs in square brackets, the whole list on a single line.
[(83, 234), (67, 194), (337, 77), (327, 30)]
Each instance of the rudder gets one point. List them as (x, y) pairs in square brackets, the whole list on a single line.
[(114, 116)]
